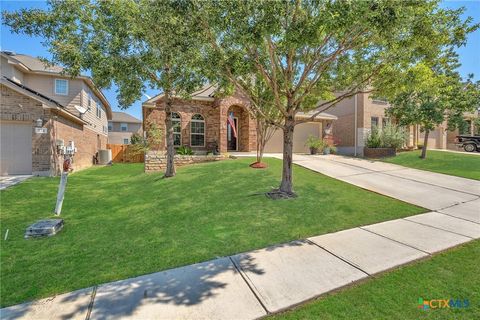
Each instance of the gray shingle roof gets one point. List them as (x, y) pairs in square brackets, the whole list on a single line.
[(124, 117), (35, 64)]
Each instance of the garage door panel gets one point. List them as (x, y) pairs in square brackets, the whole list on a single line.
[(15, 148), (300, 135)]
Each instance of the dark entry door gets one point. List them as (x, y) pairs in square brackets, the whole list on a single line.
[(232, 141)]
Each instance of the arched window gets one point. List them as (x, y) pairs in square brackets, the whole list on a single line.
[(197, 131), (177, 129)]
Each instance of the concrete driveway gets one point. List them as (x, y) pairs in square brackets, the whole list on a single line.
[(8, 181), (430, 190)]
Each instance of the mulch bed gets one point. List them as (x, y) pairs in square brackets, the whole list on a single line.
[(258, 165)]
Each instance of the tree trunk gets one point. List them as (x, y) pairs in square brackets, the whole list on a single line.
[(286, 186), (260, 141), (425, 142), (170, 171)]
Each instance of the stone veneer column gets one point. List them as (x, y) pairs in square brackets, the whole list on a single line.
[(223, 109)]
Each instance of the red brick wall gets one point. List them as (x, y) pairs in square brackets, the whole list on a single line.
[(87, 142), (247, 125), (215, 115), (45, 158), (186, 109)]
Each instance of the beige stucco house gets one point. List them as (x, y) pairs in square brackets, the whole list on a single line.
[(122, 126), (202, 123), (44, 114)]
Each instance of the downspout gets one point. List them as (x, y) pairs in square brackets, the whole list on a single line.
[(355, 133)]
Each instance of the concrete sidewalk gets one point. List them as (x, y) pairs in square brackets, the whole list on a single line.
[(253, 284)]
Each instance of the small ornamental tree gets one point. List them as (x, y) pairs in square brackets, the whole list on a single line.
[(134, 43), (262, 99), (140, 146), (306, 50)]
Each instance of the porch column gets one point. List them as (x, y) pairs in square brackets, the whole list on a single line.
[(222, 142)]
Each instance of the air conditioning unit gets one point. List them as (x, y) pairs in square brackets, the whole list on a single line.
[(105, 156)]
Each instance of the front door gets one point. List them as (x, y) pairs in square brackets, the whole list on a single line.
[(232, 140)]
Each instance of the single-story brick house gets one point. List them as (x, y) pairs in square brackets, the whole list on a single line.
[(44, 114), (202, 123)]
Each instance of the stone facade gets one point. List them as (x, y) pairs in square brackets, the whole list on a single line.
[(215, 114), (157, 160), (46, 160)]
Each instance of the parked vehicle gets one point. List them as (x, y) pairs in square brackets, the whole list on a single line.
[(468, 143)]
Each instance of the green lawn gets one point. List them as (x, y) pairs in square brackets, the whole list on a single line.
[(455, 164), (120, 222), (453, 274)]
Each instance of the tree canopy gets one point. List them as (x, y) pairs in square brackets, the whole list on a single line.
[(308, 54), (133, 44), (306, 51), (129, 43)]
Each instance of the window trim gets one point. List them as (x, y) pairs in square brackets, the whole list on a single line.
[(99, 109), (110, 126), (198, 134), (55, 87), (128, 141), (179, 119), (380, 100), (378, 122), (126, 127)]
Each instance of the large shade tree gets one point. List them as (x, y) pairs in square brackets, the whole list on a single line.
[(135, 44), (305, 51)]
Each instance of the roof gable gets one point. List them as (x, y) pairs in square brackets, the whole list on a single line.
[(124, 117)]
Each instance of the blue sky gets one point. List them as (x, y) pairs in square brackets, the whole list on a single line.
[(469, 55)]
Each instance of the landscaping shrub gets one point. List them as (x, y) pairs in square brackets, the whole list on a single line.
[(314, 144), (391, 136), (185, 151), (373, 138)]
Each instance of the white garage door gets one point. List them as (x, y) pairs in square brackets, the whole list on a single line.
[(15, 148), (300, 135)]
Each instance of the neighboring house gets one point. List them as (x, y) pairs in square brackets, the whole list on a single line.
[(44, 111), (441, 137), (351, 135), (356, 116), (202, 124), (122, 126)]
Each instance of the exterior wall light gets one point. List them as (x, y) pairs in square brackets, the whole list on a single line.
[(39, 123)]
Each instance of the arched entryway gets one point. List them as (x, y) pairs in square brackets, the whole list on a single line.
[(237, 129)]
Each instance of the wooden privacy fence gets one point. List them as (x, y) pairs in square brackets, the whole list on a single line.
[(123, 153)]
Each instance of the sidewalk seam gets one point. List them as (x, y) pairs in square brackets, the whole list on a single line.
[(338, 257), (456, 204), (427, 225), (381, 235), (249, 286), (456, 217), (90, 305)]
